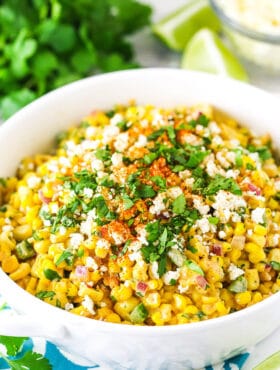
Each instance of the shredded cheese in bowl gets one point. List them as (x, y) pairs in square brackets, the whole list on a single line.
[(253, 26), (148, 216)]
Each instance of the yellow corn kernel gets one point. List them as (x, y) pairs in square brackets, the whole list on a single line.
[(126, 273), (239, 229), (180, 302), (251, 247), (191, 310), (274, 255), (157, 318), (6, 244), (234, 255), (113, 317), (22, 271), (31, 286), (80, 310), (113, 266), (154, 284), (41, 246), (124, 308), (139, 272), (253, 279), (260, 230), (226, 247), (22, 232), (208, 309), (166, 311), (10, 264), (206, 299), (167, 296), (221, 308), (103, 312), (101, 252), (260, 240), (152, 300), (94, 294), (121, 293), (257, 256), (257, 297), (95, 276), (273, 204), (243, 298)]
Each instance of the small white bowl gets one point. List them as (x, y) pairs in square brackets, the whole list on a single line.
[(123, 346)]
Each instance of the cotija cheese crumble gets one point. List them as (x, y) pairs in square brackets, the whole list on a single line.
[(146, 215)]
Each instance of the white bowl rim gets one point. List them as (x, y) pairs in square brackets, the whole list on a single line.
[(122, 328)]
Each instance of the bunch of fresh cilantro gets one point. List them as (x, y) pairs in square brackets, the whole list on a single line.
[(47, 43), (10, 351)]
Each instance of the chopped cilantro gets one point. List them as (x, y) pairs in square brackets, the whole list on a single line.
[(127, 202), (263, 151), (172, 282), (3, 209), (66, 256), (144, 191), (45, 294), (149, 158), (103, 154), (250, 167), (125, 247), (3, 182), (196, 158), (51, 274), (179, 204), (201, 120), (220, 182), (159, 181), (213, 220), (194, 267), (123, 125), (238, 157), (162, 264)]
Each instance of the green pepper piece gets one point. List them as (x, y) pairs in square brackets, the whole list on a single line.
[(139, 314), (275, 265), (239, 285), (24, 250)]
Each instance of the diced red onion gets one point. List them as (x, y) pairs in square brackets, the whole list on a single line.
[(201, 281), (254, 189), (44, 199), (141, 287), (81, 272), (216, 249)]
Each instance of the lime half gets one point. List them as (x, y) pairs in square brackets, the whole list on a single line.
[(176, 29), (271, 363), (206, 52)]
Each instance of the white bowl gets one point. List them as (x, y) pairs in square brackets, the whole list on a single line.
[(122, 346)]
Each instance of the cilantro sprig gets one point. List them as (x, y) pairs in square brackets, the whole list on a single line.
[(47, 44), (29, 360)]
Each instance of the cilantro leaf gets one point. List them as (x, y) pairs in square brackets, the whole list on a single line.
[(45, 294), (51, 274), (179, 204), (201, 120), (263, 151), (144, 191), (194, 267), (159, 181), (220, 182), (66, 256), (12, 344)]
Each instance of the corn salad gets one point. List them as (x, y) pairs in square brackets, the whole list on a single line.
[(147, 216)]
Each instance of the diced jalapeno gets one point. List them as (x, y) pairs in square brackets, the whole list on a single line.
[(176, 257), (24, 250), (139, 314), (239, 285)]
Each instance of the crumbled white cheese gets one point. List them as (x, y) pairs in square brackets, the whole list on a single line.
[(234, 272), (222, 160), (183, 287), (109, 133), (118, 238), (121, 142), (117, 159), (76, 240), (88, 304), (68, 306), (33, 181), (158, 204), (90, 263), (225, 203), (89, 144), (154, 270), (103, 243), (257, 215), (135, 256), (277, 185), (200, 206), (117, 118), (203, 224), (217, 140), (275, 240), (214, 128), (88, 192), (97, 165), (174, 192), (142, 235), (232, 173), (222, 234), (54, 208), (91, 131), (169, 276), (141, 142)]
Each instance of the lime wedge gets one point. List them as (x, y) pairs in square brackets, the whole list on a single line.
[(271, 363), (206, 52), (176, 29)]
